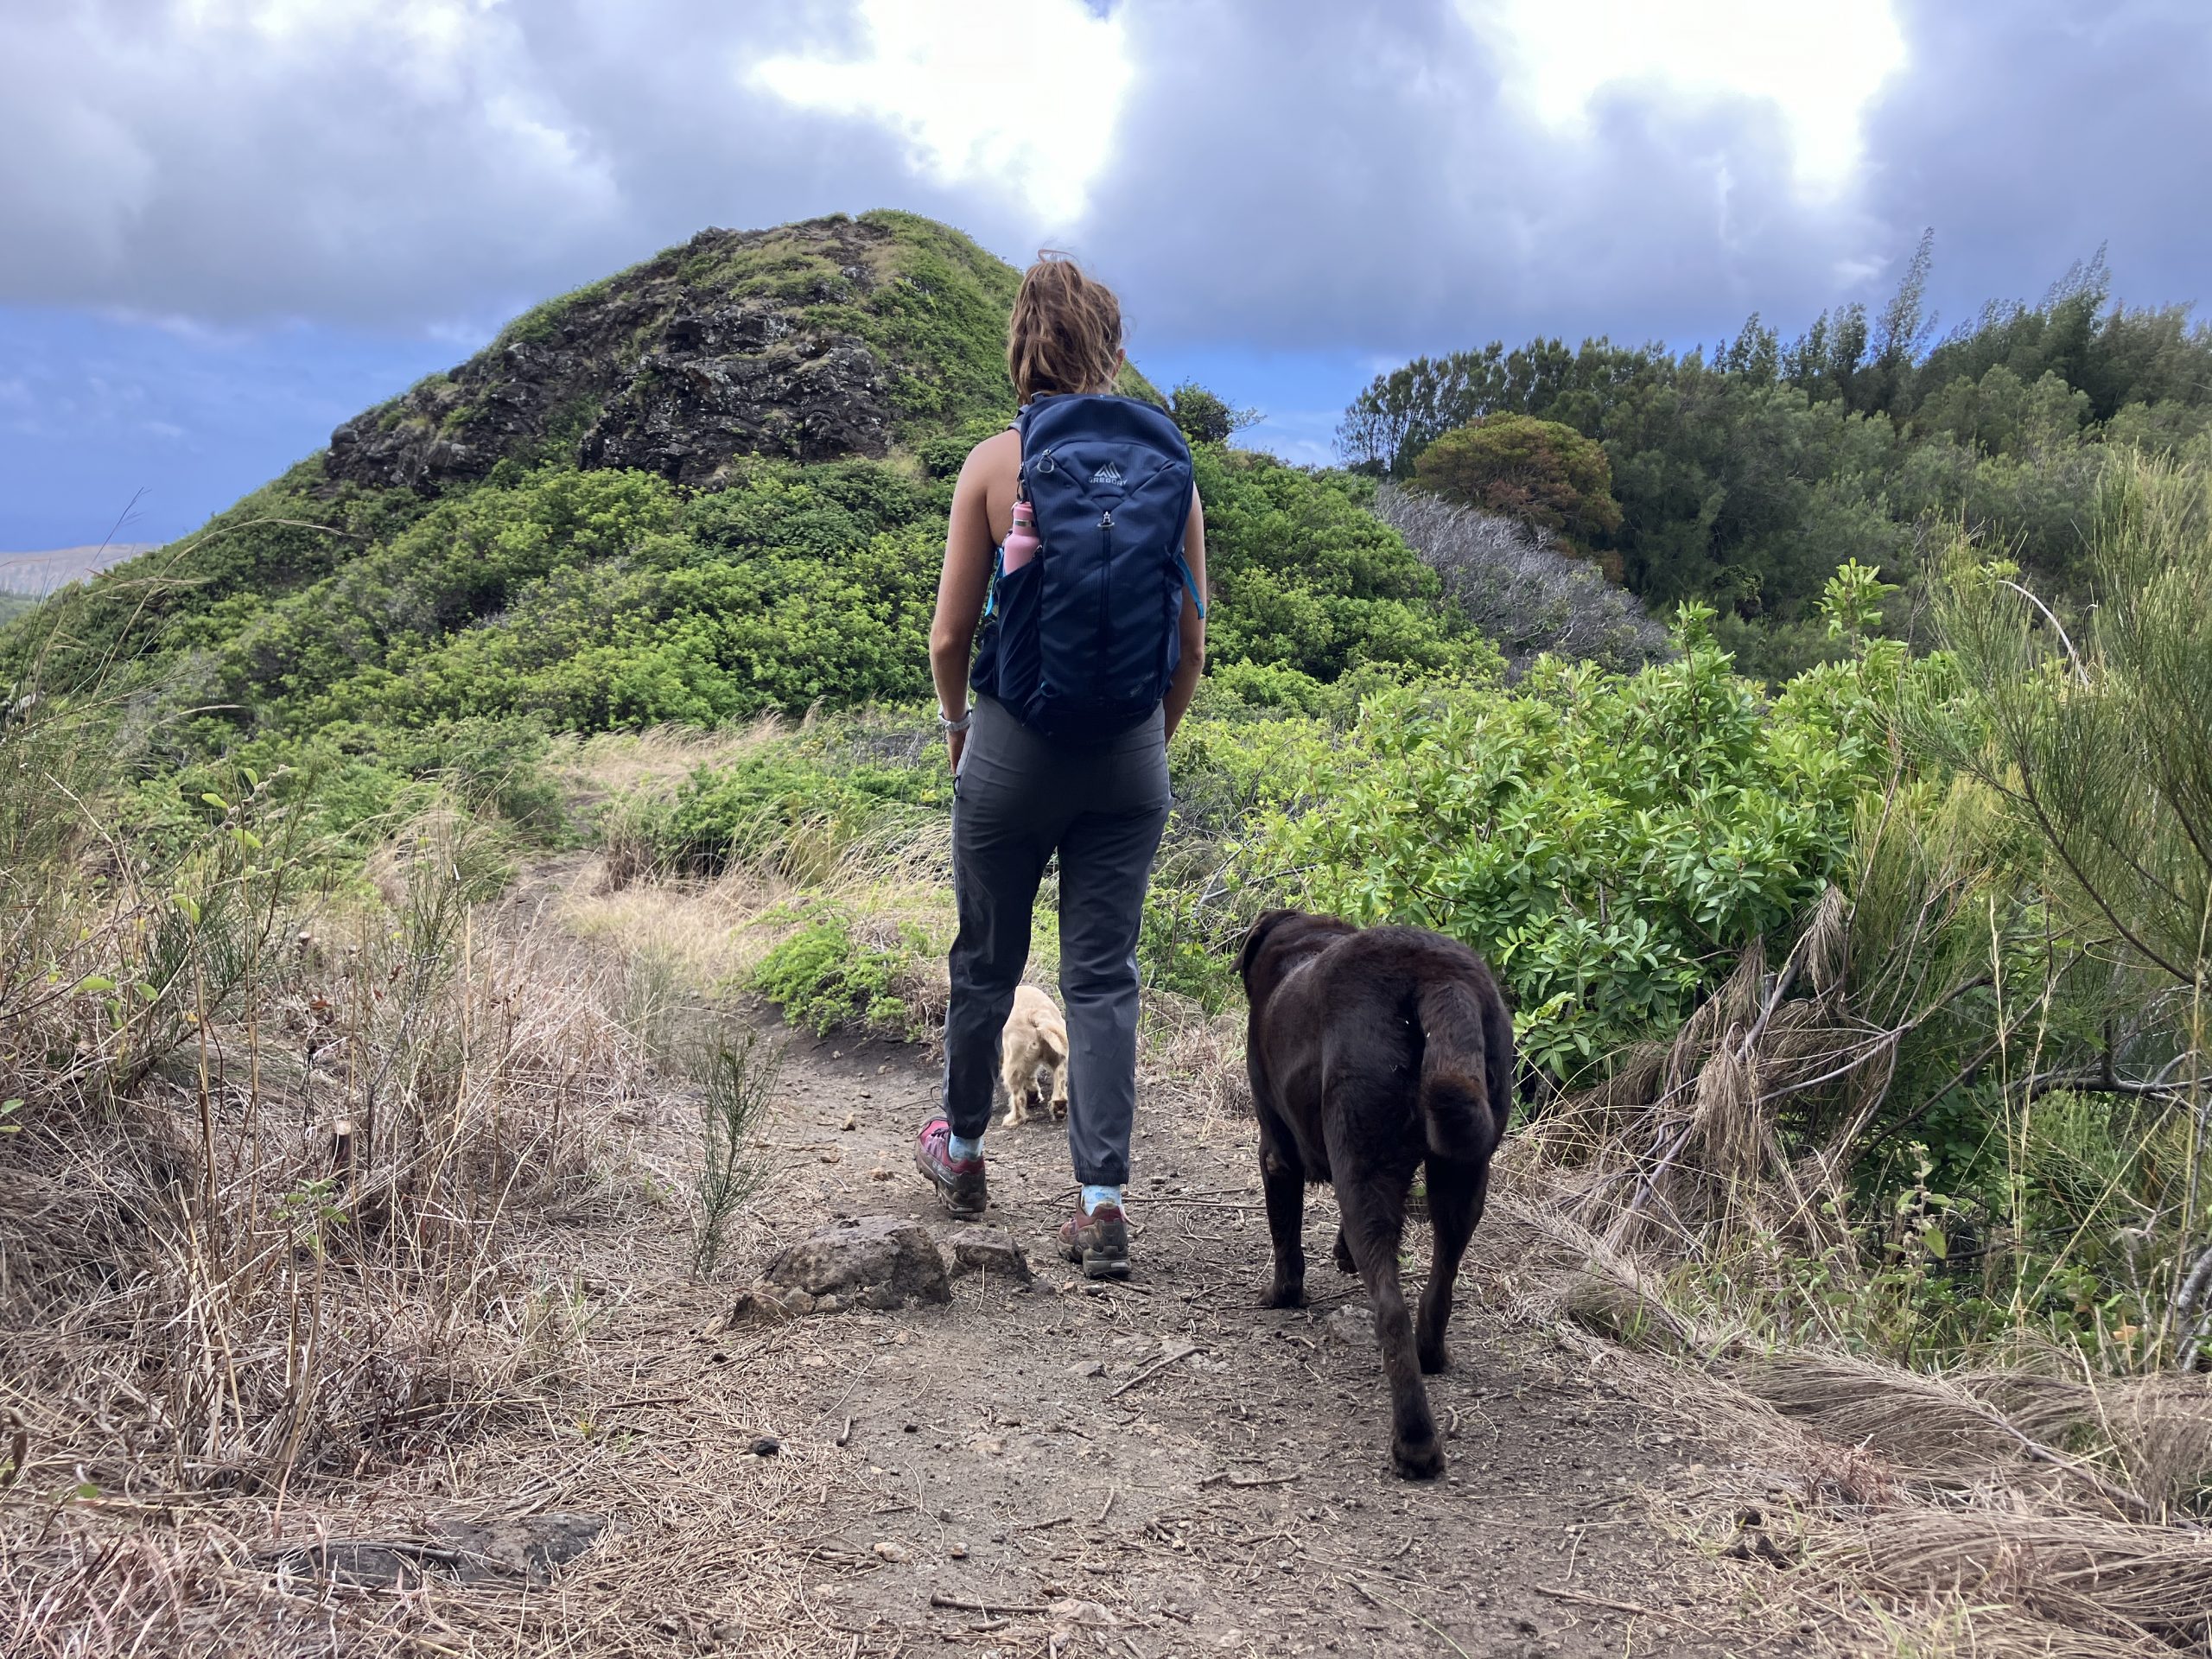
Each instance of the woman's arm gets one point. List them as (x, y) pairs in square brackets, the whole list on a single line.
[(1184, 686), (960, 590)]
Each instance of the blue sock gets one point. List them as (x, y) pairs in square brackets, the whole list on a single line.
[(961, 1150), (1095, 1195)]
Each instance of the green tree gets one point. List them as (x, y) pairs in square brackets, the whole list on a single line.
[(1540, 472), (1205, 417)]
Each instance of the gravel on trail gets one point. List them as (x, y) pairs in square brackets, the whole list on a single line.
[(1162, 1466)]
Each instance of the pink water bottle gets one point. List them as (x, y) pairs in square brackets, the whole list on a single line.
[(1022, 544)]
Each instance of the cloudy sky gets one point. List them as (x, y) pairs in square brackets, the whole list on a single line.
[(227, 225)]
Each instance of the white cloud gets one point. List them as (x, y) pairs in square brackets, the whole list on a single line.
[(1026, 93), (1819, 61)]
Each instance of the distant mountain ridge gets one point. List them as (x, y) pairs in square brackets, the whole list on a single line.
[(42, 571)]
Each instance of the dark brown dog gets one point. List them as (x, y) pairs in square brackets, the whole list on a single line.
[(1373, 1052)]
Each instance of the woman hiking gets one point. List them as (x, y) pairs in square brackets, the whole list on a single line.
[(1093, 636)]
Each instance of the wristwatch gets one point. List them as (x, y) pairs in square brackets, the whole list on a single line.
[(949, 724)]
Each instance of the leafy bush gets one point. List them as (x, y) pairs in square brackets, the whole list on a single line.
[(1611, 843), (1304, 578), (826, 976), (1204, 417), (1745, 475), (1545, 474)]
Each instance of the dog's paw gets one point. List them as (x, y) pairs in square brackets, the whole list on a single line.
[(1434, 1357), (1344, 1263), (1417, 1460), (1279, 1294)]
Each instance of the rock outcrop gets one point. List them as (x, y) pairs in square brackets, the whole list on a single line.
[(882, 1260), (737, 343), (879, 1261)]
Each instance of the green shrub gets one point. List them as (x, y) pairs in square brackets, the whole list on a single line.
[(1611, 843), (826, 978), (1540, 472)]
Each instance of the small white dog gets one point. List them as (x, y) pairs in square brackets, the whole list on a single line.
[(1035, 1040)]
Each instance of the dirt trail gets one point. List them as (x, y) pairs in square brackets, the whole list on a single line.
[(1027, 1447)]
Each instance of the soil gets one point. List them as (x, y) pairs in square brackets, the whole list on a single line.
[(1160, 1467)]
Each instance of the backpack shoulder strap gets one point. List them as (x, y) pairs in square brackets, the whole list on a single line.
[(1191, 582)]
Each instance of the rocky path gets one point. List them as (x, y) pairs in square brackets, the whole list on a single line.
[(1157, 1468)]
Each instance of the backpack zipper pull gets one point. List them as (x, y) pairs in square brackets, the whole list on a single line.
[(1106, 521)]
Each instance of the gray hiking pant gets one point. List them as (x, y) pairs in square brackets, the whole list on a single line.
[(1018, 798)]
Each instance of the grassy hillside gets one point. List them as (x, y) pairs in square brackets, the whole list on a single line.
[(709, 487)]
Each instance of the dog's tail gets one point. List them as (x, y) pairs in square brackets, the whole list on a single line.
[(1053, 1037), (1466, 1068)]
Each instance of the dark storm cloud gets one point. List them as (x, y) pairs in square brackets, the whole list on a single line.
[(371, 166), (1311, 172), (2027, 132), (1285, 175)]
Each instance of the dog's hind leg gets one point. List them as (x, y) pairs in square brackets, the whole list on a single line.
[(1373, 1225), (1344, 1263), (1282, 1179), (1455, 1205)]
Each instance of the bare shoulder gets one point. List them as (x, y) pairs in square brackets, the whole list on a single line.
[(998, 456)]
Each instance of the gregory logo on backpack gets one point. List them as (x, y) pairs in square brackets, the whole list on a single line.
[(1084, 638)]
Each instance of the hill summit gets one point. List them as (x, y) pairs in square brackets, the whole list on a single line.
[(711, 486), (809, 342)]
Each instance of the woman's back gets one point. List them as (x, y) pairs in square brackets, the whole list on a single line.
[(1024, 794)]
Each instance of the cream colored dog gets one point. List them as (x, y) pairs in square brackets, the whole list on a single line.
[(1036, 1040)]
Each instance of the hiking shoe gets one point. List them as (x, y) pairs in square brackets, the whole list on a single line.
[(959, 1181), (1100, 1241)]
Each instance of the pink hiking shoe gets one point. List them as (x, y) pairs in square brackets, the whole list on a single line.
[(959, 1181)]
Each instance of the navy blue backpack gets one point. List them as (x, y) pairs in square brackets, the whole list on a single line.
[(1085, 637)]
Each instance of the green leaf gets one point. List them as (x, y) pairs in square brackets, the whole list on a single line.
[(1937, 1246), (93, 984)]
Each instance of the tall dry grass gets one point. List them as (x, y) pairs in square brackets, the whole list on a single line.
[(292, 1193)]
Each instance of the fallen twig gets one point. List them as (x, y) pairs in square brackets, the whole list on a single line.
[(1224, 1477), (1392, 1601), (1155, 1369), (1565, 1594), (962, 1604)]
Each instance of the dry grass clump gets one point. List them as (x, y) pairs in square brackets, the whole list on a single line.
[(1683, 1142), (1198, 1057), (2096, 1582), (891, 879), (608, 764), (2036, 1510), (2138, 1448), (286, 1206)]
